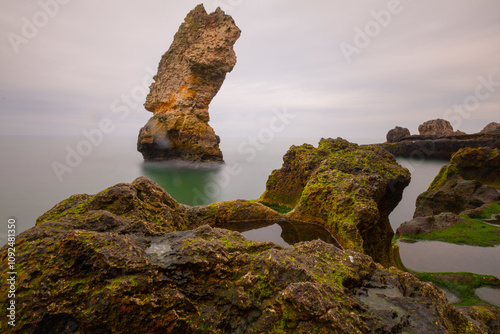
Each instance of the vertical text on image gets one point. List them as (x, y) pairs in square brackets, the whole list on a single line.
[(11, 272)]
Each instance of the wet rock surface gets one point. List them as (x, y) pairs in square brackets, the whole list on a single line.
[(470, 180), (429, 224), (189, 76), (80, 280), (347, 188)]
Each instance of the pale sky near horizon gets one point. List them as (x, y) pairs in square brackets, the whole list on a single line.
[(415, 61)]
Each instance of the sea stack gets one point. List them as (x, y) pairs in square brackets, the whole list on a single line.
[(189, 75)]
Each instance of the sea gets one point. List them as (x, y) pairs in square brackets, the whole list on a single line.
[(37, 172)]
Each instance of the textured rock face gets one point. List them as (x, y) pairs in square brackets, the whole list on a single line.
[(439, 147), (397, 134), (113, 263), (189, 75), (348, 189), (438, 127), (470, 180), (492, 127), (429, 224)]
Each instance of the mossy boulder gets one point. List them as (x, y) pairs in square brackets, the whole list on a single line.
[(210, 280), (347, 188), (470, 180), (143, 205), (130, 259)]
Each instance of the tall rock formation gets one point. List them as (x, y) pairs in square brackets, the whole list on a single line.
[(189, 75)]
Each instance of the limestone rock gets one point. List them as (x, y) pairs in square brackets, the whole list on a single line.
[(348, 189), (189, 75), (111, 277), (491, 127), (397, 134), (438, 127), (438, 146), (429, 224), (470, 180)]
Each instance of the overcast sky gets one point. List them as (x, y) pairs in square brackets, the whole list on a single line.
[(414, 61)]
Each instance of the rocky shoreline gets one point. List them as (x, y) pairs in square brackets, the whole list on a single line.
[(438, 141), (132, 259), (466, 188)]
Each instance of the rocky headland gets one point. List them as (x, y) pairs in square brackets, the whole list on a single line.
[(130, 259), (189, 76), (468, 187), (438, 140)]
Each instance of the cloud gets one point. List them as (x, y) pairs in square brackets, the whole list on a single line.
[(426, 59)]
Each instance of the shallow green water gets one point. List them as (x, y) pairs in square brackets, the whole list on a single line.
[(29, 186)]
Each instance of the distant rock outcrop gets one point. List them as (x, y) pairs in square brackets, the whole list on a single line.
[(347, 188), (470, 180), (397, 134), (189, 75), (438, 140), (436, 127), (492, 127)]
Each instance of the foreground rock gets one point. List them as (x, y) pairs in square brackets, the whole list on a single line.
[(437, 140), (349, 189), (113, 263), (189, 75), (470, 180)]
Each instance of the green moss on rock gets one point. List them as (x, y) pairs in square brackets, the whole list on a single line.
[(347, 188)]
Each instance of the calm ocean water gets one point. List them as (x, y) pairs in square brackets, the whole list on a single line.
[(30, 186)]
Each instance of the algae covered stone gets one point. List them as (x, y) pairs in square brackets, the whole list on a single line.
[(347, 188), (130, 259), (470, 180), (211, 280)]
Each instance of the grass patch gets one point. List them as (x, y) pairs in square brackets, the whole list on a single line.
[(462, 285), (278, 208), (493, 208), (472, 232)]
